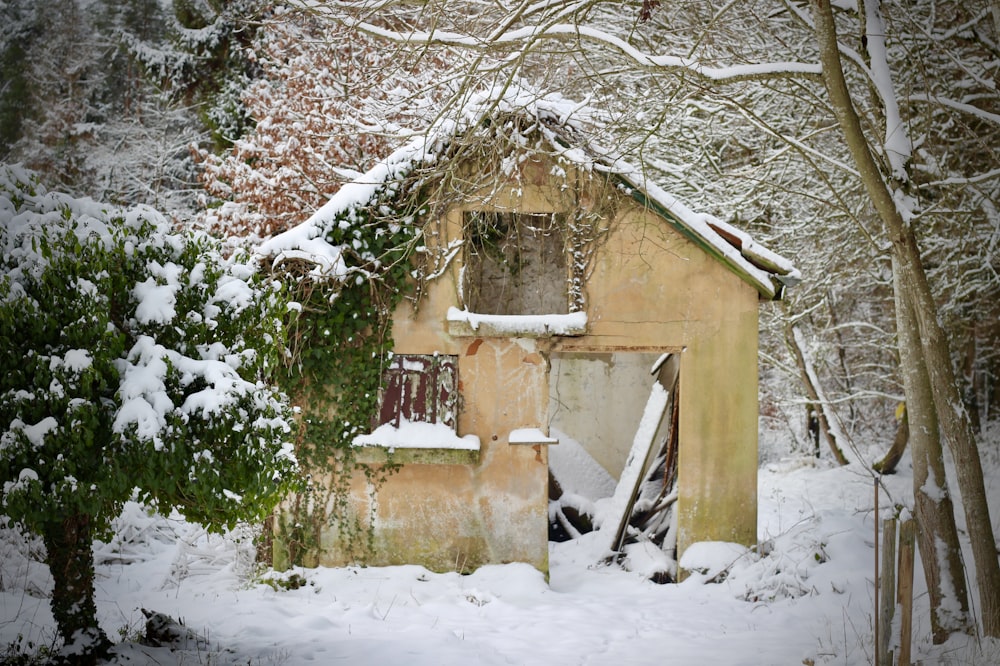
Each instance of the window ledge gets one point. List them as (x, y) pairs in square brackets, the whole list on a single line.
[(416, 443), (376, 454), (530, 436), (462, 323)]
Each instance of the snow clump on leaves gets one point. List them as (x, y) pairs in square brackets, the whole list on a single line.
[(135, 361), (133, 356)]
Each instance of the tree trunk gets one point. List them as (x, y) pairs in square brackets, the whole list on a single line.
[(887, 465), (930, 347), (970, 394), (809, 380), (937, 535), (68, 545), (957, 432)]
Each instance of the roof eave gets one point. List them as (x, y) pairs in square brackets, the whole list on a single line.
[(768, 289)]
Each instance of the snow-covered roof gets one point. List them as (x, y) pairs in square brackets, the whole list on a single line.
[(561, 122)]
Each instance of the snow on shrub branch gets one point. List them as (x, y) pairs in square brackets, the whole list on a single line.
[(133, 355)]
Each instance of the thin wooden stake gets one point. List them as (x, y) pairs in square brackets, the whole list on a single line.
[(887, 593), (907, 539), (878, 641)]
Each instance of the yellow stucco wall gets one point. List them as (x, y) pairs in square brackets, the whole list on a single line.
[(649, 290), (654, 290)]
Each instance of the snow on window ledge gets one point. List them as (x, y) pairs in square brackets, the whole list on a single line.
[(462, 323), (416, 443), (530, 436)]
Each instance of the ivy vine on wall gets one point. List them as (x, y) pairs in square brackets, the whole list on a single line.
[(340, 339)]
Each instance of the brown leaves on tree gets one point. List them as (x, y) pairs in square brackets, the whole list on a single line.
[(648, 7), (329, 104)]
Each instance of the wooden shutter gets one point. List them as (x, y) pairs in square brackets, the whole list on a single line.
[(420, 388)]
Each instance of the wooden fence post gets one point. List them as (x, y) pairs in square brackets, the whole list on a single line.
[(907, 537), (887, 592)]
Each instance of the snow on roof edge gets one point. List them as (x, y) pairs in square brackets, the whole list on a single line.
[(768, 272), (307, 237), (765, 270)]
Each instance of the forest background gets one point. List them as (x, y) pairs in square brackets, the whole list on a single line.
[(243, 116)]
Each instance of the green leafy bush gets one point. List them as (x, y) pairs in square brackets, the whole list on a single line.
[(133, 359)]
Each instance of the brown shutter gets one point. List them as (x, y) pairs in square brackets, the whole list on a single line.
[(420, 388)]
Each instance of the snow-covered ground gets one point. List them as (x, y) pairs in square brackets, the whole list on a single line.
[(808, 599)]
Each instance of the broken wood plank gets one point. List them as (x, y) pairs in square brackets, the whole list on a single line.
[(887, 593), (657, 520), (640, 456), (907, 539), (829, 427)]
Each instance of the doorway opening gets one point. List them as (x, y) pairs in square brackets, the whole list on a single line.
[(616, 416)]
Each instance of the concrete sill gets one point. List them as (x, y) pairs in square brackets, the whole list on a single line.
[(465, 324), (372, 454), (416, 443), (530, 437)]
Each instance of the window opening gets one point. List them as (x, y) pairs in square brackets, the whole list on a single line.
[(516, 263)]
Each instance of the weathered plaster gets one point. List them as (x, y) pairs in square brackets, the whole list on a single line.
[(649, 290), (597, 399), (652, 290)]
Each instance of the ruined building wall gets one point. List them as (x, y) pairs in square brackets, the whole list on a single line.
[(648, 290)]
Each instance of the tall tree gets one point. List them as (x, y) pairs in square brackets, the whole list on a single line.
[(78, 108), (58, 57), (924, 352), (208, 61), (19, 19)]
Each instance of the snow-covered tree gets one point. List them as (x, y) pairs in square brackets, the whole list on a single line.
[(135, 361), (328, 103), (888, 161), (77, 106), (206, 60), (19, 19), (58, 80)]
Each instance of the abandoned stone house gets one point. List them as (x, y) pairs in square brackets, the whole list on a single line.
[(565, 280)]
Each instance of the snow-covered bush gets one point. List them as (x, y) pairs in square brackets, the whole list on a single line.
[(133, 358)]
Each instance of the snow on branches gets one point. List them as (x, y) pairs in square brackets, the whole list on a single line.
[(132, 355), (329, 103)]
